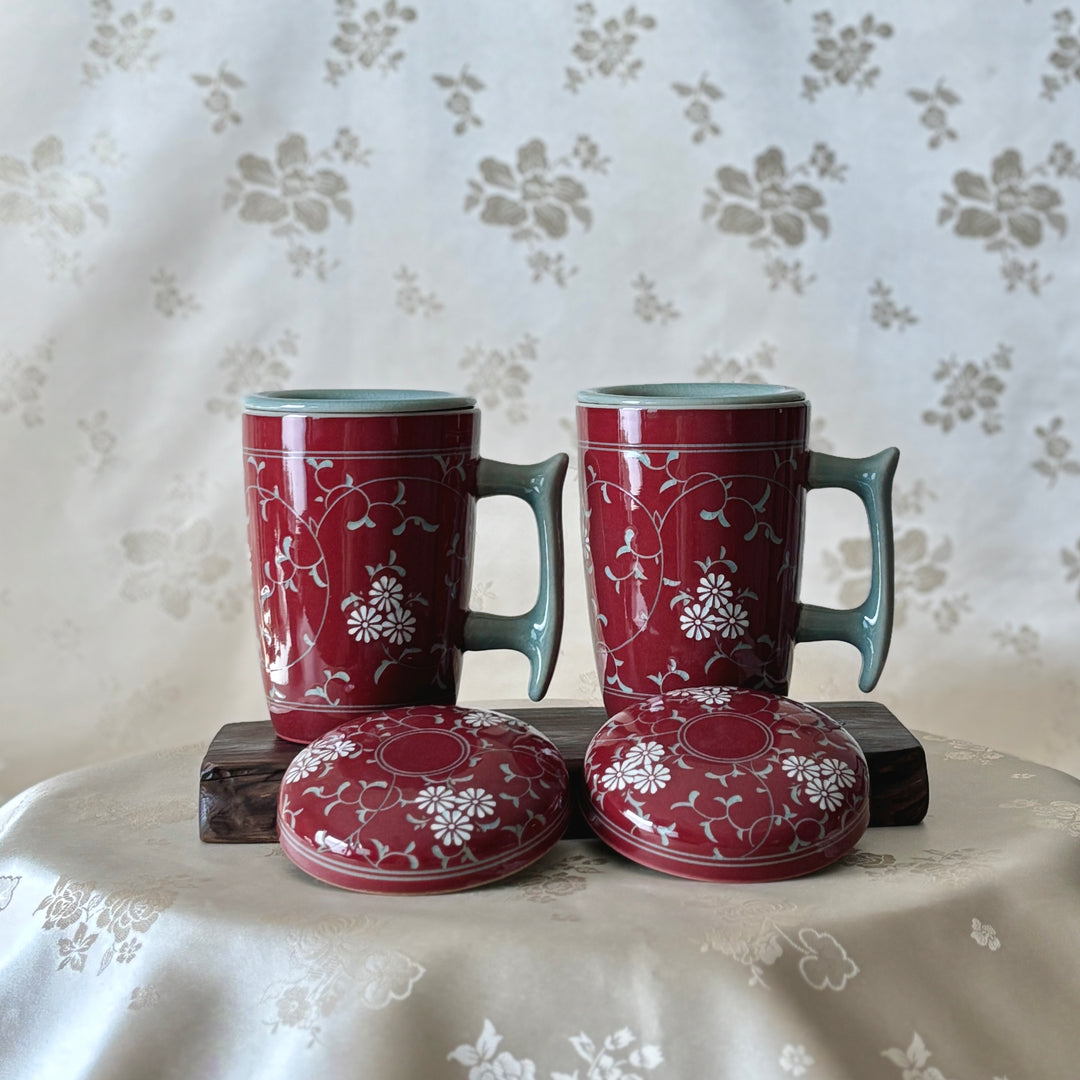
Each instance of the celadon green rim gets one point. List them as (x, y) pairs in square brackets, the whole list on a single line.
[(354, 402), (691, 396)]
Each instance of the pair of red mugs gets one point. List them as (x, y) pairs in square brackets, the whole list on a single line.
[(361, 517)]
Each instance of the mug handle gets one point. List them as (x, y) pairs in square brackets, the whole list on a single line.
[(869, 626), (538, 631)]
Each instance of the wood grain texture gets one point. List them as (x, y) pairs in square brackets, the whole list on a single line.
[(244, 765)]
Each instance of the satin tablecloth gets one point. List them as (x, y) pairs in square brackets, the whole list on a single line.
[(947, 951)]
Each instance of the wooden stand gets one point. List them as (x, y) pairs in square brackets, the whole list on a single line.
[(244, 765)]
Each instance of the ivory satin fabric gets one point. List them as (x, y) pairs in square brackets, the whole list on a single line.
[(875, 202), (128, 949)]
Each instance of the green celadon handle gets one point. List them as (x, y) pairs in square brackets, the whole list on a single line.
[(869, 626), (538, 632)]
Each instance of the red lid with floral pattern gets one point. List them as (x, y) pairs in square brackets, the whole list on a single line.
[(424, 799), (720, 784)]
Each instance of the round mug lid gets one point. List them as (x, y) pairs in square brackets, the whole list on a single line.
[(423, 799), (720, 784), (353, 402)]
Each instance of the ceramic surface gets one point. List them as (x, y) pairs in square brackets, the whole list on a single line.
[(361, 512), (727, 785), (425, 799), (693, 504)]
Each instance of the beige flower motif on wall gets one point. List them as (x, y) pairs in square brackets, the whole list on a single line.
[(934, 115), (537, 199), (1011, 209), (180, 560), (296, 194), (715, 367), (1064, 58), (776, 209), (700, 99), (124, 41), (169, 300), (606, 48), (1071, 560), (1057, 457), (498, 377), (459, 101), (921, 567), (22, 383), (844, 57), (972, 390), (648, 306), (411, 298), (1022, 640), (250, 369), (886, 312), (53, 202), (99, 452), (369, 40), (218, 101)]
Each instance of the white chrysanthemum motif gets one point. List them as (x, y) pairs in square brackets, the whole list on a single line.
[(697, 621), (794, 1060), (453, 827), (706, 695), (842, 774), (617, 776), (642, 752), (386, 593), (337, 746), (731, 620), (714, 589), (823, 792), (436, 798), (303, 765), (800, 768), (478, 719), (365, 623), (650, 777), (399, 625), (476, 802)]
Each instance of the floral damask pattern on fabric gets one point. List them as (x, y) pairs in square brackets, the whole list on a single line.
[(844, 56), (337, 959), (219, 101), (297, 194), (1012, 210), (461, 89), (700, 97), (1064, 60), (124, 41), (499, 378), (53, 203), (606, 45), (973, 390), (648, 306), (369, 40), (936, 103), (776, 209), (108, 925), (537, 203), (250, 369), (22, 384), (619, 1055)]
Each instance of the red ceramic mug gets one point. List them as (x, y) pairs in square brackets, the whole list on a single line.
[(693, 499), (361, 514)]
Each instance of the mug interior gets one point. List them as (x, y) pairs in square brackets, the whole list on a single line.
[(360, 402), (690, 395)]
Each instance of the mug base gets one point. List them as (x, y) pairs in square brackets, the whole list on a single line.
[(305, 725)]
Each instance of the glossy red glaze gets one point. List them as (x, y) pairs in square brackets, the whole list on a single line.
[(360, 531), (426, 799), (693, 523), (727, 785)]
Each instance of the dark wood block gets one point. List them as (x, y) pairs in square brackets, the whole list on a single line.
[(243, 767)]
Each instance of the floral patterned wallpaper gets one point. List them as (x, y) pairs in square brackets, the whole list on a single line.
[(875, 201)]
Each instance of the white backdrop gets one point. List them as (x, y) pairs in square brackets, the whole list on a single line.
[(873, 201)]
